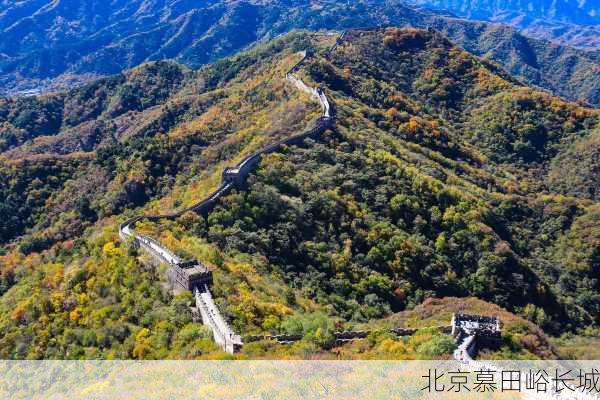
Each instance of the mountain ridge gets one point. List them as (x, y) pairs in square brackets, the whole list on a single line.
[(580, 13), (560, 21), (435, 183), (37, 56)]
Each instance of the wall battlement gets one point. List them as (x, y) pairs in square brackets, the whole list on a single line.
[(475, 325)]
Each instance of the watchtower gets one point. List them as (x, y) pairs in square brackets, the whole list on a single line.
[(188, 274), (231, 174), (478, 325)]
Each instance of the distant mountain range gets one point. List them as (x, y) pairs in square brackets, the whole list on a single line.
[(580, 12), (49, 45), (570, 22)]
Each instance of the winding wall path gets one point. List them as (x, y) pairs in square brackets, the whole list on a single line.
[(232, 176)]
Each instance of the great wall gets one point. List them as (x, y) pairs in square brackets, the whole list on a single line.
[(473, 330), (194, 276)]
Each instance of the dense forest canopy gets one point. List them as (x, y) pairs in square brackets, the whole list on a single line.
[(442, 178)]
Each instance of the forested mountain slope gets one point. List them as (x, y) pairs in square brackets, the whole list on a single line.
[(439, 179), (415, 195), (65, 41), (108, 143)]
